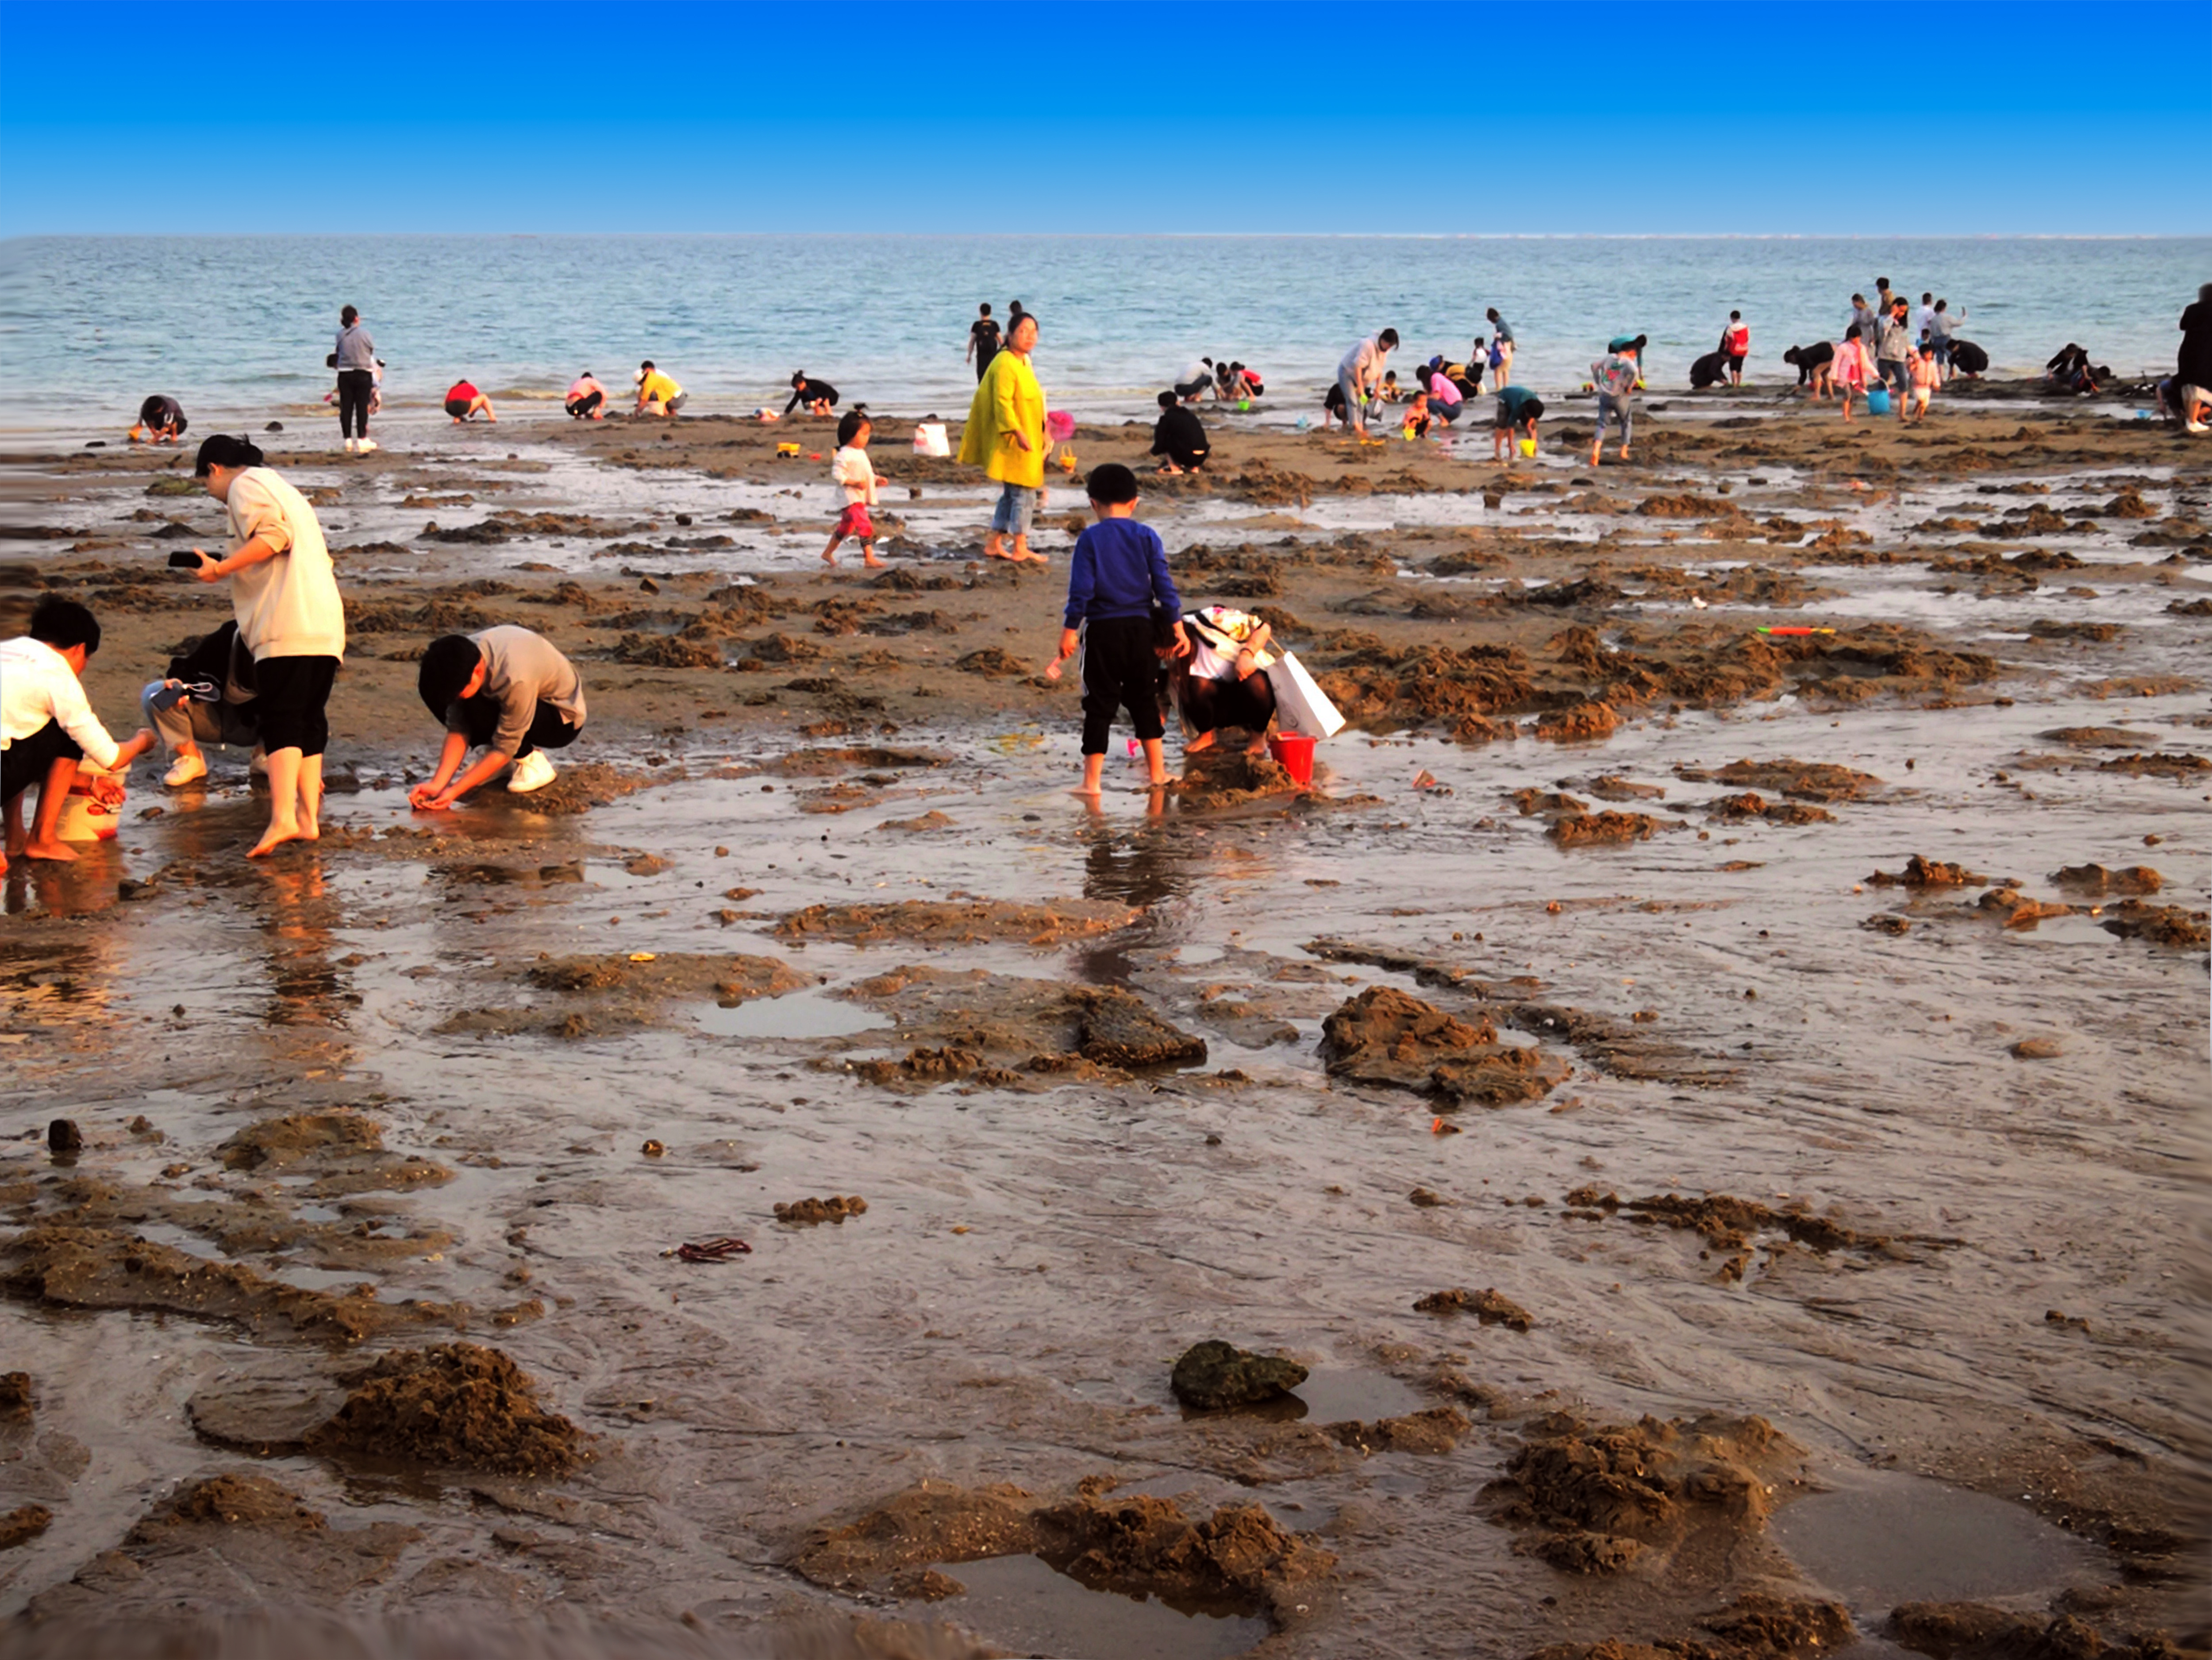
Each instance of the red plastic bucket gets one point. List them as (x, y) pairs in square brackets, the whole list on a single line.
[(1295, 751)]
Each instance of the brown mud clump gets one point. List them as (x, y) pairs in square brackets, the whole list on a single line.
[(1214, 1377), (1493, 1308), (1584, 723), (2172, 926), (1975, 1631), (952, 923), (1922, 872), (1139, 1546), (1805, 781), (1729, 1225), (2137, 879), (454, 1404), (1437, 1430), (24, 1524), (806, 1212), (1585, 829), (1755, 1626), (1385, 1037), (1117, 1030), (16, 1401), (1593, 1498)]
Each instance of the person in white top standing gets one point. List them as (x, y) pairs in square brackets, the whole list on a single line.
[(46, 727), (853, 469), (285, 594)]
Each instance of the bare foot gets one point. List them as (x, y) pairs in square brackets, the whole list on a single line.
[(829, 559), (1203, 742), (272, 838), (1088, 791), (59, 852), (874, 563), (1164, 781)]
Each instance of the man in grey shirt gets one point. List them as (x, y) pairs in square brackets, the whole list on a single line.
[(505, 688), (1359, 376)]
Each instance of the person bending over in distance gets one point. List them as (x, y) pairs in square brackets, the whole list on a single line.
[(1515, 423), (284, 593), (1245, 383), (854, 470), (47, 727), (657, 394), (1361, 376), (464, 403), (504, 689), (1469, 375), (1446, 401), (818, 396), (207, 697), (1179, 437), (1117, 581), (586, 399), (1197, 381), (161, 421), (1814, 363)]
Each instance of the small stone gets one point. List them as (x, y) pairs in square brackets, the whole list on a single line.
[(63, 1137), (652, 1149), (1214, 1375), (2036, 1048), (1424, 1198)]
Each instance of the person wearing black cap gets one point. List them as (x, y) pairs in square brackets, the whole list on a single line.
[(504, 688)]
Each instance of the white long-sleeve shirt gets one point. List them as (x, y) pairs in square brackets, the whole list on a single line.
[(852, 468), (38, 686), (287, 606)]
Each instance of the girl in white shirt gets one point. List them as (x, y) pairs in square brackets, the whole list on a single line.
[(289, 616), (852, 468)]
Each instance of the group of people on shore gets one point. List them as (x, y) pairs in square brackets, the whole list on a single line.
[(264, 678)]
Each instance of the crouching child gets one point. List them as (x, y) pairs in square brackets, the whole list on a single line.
[(1116, 581), (46, 727), (506, 691)]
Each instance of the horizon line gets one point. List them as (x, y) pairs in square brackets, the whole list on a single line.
[(1164, 236)]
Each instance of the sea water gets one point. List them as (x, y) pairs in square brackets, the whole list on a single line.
[(237, 328)]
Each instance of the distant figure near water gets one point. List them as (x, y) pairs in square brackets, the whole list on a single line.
[(818, 396), (982, 339), (657, 394), (587, 399), (1360, 376), (161, 421), (465, 402), (354, 360)]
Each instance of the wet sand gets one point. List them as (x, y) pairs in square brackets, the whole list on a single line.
[(1707, 1006)]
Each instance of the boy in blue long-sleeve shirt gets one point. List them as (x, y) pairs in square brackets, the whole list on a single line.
[(1116, 584)]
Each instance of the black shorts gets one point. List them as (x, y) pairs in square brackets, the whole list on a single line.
[(295, 691), (1119, 671), (579, 407), (550, 729), (1210, 705), (28, 760), (457, 407), (1736, 360)]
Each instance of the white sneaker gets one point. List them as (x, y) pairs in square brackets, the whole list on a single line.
[(349, 446), (188, 769), (532, 772), (367, 445), (2194, 426)]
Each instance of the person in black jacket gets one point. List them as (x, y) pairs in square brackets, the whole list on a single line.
[(161, 421), (818, 396), (206, 698), (1179, 437), (2192, 365)]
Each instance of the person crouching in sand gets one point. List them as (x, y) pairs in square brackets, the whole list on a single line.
[(46, 727), (1116, 582), (464, 403), (504, 688), (854, 470)]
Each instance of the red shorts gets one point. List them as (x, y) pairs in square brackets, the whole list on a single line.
[(855, 523)]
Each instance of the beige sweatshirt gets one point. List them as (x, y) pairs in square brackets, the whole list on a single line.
[(287, 606)]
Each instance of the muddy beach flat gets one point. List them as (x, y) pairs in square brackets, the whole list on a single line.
[(1716, 946)]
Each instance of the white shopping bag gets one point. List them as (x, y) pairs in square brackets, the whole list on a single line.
[(1300, 706), (929, 439)]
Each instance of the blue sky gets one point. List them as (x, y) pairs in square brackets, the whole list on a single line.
[(1921, 119)]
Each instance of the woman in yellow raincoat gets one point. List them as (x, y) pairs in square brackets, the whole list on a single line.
[(1004, 436)]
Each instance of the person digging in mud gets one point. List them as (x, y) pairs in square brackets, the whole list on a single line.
[(1224, 682), (506, 688), (853, 470), (46, 727), (1615, 375), (1004, 436), (1519, 409), (1116, 583), (285, 594)]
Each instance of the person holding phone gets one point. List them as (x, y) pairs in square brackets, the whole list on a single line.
[(291, 619)]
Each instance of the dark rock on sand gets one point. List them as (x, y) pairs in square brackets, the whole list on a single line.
[(2161, 925), (1807, 781), (1117, 1030), (24, 1524), (1922, 872), (1385, 1037), (2138, 880), (1212, 1376), (804, 1212), (1598, 828)]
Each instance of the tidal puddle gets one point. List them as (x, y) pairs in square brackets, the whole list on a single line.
[(801, 1014), (1335, 1394), (1028, 1607), (1882, 1539)]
